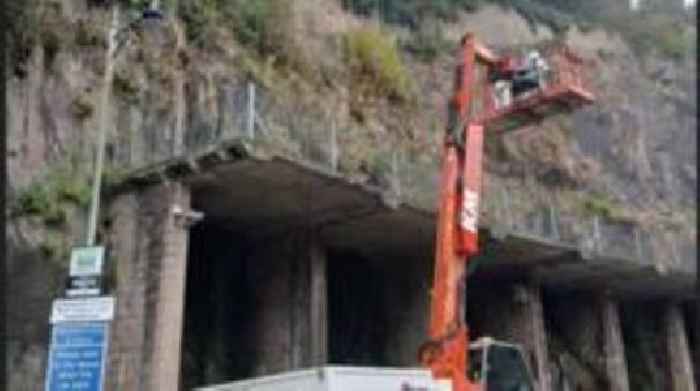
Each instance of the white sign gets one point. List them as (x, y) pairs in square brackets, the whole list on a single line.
[(86, 261), (470, 211), (83, 310), (82, 292)]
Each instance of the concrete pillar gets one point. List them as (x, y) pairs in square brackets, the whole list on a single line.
[(588, 348), (288, 281), (147, 253), (694, 331), (168, 204), (613, 347), (680, 367), (318, 308), (578, 344), (530, 315), (127, 335)]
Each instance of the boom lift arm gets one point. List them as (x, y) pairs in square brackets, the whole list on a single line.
[(447, 351)]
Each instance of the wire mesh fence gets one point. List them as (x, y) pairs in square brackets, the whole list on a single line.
[(298, 130)]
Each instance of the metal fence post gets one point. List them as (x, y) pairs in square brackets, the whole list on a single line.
[(675, 252), (334, 146), (395, 173), (554, 222), (251, 111), (638, 244), (597, 246), (507, 210)]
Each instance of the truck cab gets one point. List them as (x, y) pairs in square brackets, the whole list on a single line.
[(499, 366)]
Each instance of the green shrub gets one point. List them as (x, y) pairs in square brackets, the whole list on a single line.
[(112, 176), (540, 12), (598, 206), (48, 197), (673, 42), (82, 107), (125, 87), (375, 62), (34, 200), (135, 4), (255, 23), (51, 43), (56, 216), (88, 35), (54, 247), (251, 24), (71, 188), (428, 41), (38, 200), (199, 17), (410, 13), (601, 205), (660, 29)]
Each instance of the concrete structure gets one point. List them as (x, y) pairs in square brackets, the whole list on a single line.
[(292, 266), (148, 248), (680, 364), (613, 346)]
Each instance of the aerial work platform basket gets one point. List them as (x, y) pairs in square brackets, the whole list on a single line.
[(562, 87)]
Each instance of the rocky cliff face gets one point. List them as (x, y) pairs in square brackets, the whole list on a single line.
[(631, 157)]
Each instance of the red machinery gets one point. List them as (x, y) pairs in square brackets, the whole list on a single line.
[(472, 113)]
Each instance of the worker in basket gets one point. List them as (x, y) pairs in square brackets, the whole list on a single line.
[(531, 75), (512, 80)]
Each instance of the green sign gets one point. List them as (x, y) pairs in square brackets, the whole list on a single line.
[(86, 261)]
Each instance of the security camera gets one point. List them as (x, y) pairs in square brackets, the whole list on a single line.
[(191, 216)]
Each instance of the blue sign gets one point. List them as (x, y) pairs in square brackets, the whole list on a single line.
[(77, 357)]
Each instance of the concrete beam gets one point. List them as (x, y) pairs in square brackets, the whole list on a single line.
[(680, 367), (236, 182)]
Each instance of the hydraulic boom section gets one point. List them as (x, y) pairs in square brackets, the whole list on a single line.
[(490, 94)]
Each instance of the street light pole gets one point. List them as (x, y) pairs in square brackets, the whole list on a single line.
[(103, 121), (152, 13)]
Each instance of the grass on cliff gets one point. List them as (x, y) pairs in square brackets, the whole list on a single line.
[(47, 197), (410, 13), (601, 205), (375, 63), (661, 27)]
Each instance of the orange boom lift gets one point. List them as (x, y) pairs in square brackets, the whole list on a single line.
[(491, 94)]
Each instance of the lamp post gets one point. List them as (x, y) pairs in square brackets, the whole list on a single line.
[(152, 13)]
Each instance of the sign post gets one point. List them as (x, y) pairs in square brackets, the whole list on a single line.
[(80, 327), (85, 272), (77, 356)]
